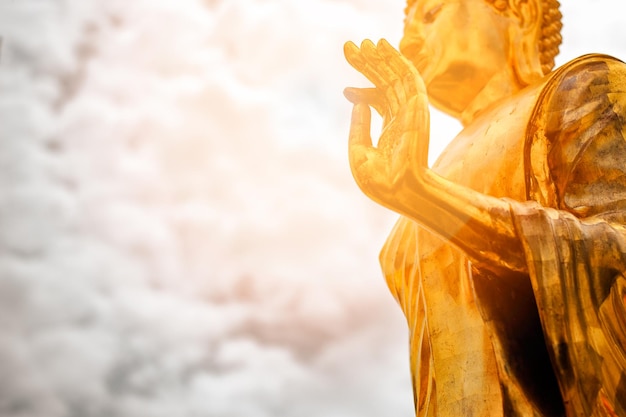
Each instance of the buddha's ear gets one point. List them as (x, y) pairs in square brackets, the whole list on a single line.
[(524, 33)]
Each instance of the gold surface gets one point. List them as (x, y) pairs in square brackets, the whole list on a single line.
[(508, 259)]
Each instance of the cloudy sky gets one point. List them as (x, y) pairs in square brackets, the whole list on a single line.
[(179, 231)]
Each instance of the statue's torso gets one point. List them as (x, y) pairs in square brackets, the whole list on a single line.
[(480, 335), (450, 340)]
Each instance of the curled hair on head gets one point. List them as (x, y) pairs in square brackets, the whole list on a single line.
[(550, 36)]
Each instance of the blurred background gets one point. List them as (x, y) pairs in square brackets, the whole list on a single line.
[(179, 231)]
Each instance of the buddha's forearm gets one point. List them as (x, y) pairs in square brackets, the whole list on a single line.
[(479, 224)]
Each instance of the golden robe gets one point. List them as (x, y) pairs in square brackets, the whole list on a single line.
[(489, 342)]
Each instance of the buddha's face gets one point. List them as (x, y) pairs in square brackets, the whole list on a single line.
[(457, 46)]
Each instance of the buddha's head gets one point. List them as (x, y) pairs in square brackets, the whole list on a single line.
[(460, 45)]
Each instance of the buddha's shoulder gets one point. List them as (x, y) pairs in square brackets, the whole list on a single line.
[(584, 79), (590, 60), (586, 90), (576, 134)]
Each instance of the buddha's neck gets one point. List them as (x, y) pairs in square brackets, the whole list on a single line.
[(502, 85)]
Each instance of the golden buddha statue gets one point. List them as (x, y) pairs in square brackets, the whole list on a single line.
[(508, 259)]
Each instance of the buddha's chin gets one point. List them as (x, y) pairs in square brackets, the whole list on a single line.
[(447, 97), (453, 91)]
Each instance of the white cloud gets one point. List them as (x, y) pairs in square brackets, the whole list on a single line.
[(179, 231)]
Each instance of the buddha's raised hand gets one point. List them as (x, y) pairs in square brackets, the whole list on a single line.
[(401, 154), (395, 172)]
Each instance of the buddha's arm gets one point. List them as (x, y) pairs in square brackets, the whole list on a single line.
[(398, 179), (479, 224), (395, 174)]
